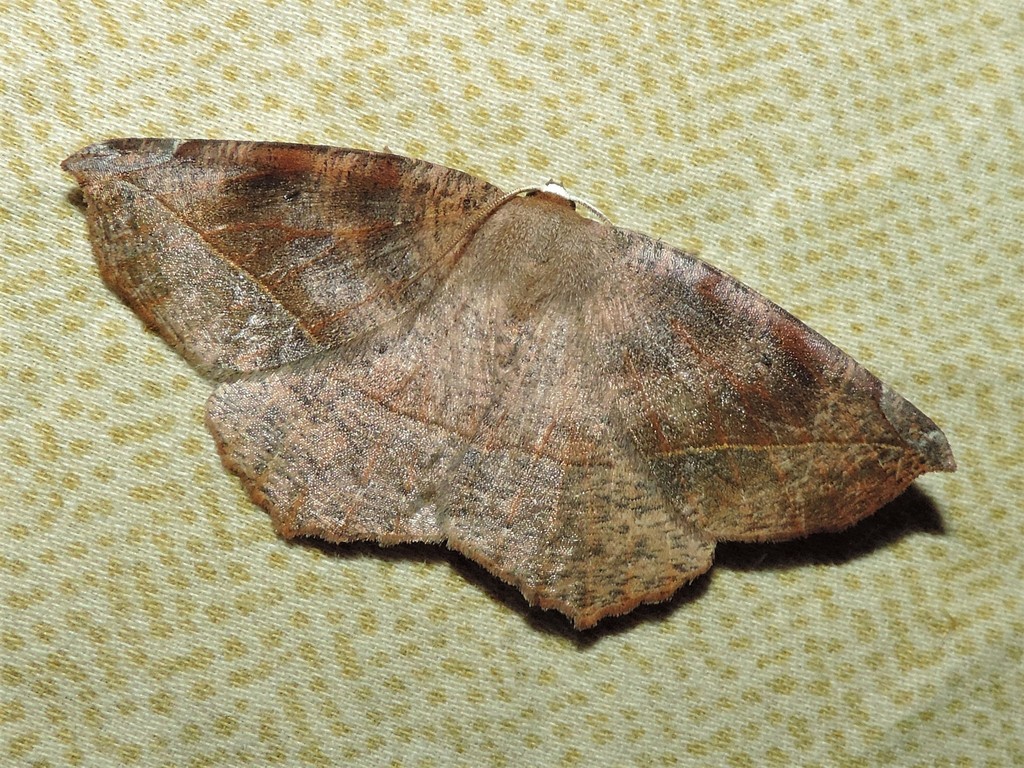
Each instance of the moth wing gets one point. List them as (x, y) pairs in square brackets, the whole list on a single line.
[(757, 426), (245, 256)]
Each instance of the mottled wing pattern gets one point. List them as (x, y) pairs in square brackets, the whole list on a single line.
[(578, 408), (488, 423), (246, 255), (757, 426)]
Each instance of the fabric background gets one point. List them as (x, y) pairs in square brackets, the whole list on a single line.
[(861, 164)]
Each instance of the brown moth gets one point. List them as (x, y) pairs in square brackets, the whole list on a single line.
[(404, 353)]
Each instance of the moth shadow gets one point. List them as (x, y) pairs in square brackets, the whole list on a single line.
[(912, 512), (554, 623), (498, 591)]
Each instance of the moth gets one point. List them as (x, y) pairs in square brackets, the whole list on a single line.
[(404, 353)]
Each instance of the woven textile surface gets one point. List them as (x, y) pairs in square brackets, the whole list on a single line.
[(860, 164)]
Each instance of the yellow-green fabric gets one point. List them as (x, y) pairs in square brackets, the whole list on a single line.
[(862, 164)]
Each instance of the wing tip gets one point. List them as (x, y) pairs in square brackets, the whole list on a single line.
[(919, 432)]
